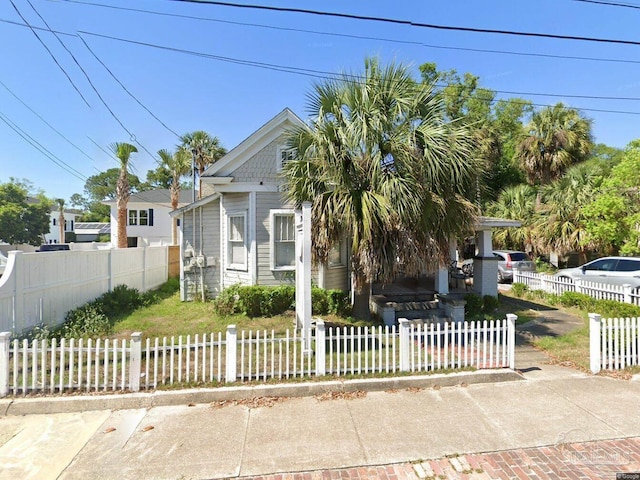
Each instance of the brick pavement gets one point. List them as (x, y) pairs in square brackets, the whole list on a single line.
[(573, 461)]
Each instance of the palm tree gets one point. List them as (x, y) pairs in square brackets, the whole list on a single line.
[(122, 151), (179, 165), (206, 150), (382, 166), (60, 202), (517, 202), (556, 138)]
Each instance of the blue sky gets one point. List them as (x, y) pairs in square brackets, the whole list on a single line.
[(230, 101)]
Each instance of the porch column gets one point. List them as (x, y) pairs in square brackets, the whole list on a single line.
[(442, 273), (303, 274), (485, 266)]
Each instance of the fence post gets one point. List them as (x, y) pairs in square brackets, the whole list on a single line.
[(404, 344), (231, 371), (135, 362), (626, 288), (4, 363), (595, 354), (511, 339), (321, 359)]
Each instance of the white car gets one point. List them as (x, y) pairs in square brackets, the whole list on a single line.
[(609, 270)]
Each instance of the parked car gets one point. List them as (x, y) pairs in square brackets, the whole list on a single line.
[(510, 259), (52, 247), (609, 270)]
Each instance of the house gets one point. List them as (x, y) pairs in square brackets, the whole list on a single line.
[(148, 220), (53, 236), (243, 231)]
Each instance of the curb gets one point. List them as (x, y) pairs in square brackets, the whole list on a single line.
[(162, 398)]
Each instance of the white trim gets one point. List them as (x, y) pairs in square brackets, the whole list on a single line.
[(223, 248), (243, 187), (279, 151), (272, 239), (217, 180), (343, 261), (196, 204), (236, 266), (254, 143), (253, 251)]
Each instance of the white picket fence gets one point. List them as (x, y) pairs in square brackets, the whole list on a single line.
[(600, 291), (614, 343), (67, 365)]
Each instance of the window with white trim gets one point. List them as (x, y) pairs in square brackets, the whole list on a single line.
[(236, 235), (283, 240), (143, 218), (284, 155), (336, 255)]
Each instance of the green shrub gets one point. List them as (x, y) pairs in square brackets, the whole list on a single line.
[(319, 301), (281, 299), (575, 299), (86, 321), (519, 289), (122, 300), (474, 304), (227, 302), (251, 300), (490, 303), (613, 309), (339, 303)]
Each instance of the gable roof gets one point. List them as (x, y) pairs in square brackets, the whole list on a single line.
[(161, 196), (253, 144)]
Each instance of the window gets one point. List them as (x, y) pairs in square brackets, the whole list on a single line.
[(54, 221), (605, 264), (625, 265), (236, 233), (335, 255), (283, 240), (141, 217), (284, 155)]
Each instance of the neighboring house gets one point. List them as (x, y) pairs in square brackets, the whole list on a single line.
[(243, 231), (148, 220), (54, 226), (91, 231)]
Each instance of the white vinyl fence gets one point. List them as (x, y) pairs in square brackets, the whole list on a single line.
[(67, 365), (600, 291), (41, 287), (613, 343)]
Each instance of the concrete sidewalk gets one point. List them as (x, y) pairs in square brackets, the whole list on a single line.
[(396, 425)]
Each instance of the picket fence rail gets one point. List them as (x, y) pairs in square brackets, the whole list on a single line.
[(614, 343), (76, 365), (600, 291)]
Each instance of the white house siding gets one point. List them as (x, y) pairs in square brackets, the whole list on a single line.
[(336, 278), (157, 234), (53, 236), (262, 167), (267, 201), (236, 203), (206, 244)]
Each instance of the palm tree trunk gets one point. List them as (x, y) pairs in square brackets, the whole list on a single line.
[(122, 227), (361, 298), (174, 221)]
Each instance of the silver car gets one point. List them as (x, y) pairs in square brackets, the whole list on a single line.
[(510, 259), (609, 270)]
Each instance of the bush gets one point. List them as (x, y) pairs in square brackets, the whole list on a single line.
[(613, 309), (339, 303), (319, 301), (575, 299), (490, 303), (251, 300), (281, 299), (519, 289), (474, 304), (86, 321), (227, 302), (122, 300)]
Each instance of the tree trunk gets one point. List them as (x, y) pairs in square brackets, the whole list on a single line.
[(122, 227), (174, 221), (61, 225), (361, 298)]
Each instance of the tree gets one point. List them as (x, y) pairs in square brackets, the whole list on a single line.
[(60, 202), (613, 217), (556, 138), (178, 165), (123, 152), (517, 202), (206, 150), (22, 221), (381, 166)]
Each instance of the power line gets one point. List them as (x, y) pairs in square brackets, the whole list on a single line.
[(332, 75), (410, 23), (125, 88), (611, 4), (50, 52), (357, 37)]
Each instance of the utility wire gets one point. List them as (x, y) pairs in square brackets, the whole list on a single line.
[(611, 4), (50, 53), (125, 88), (409, 22), (358, 37)]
